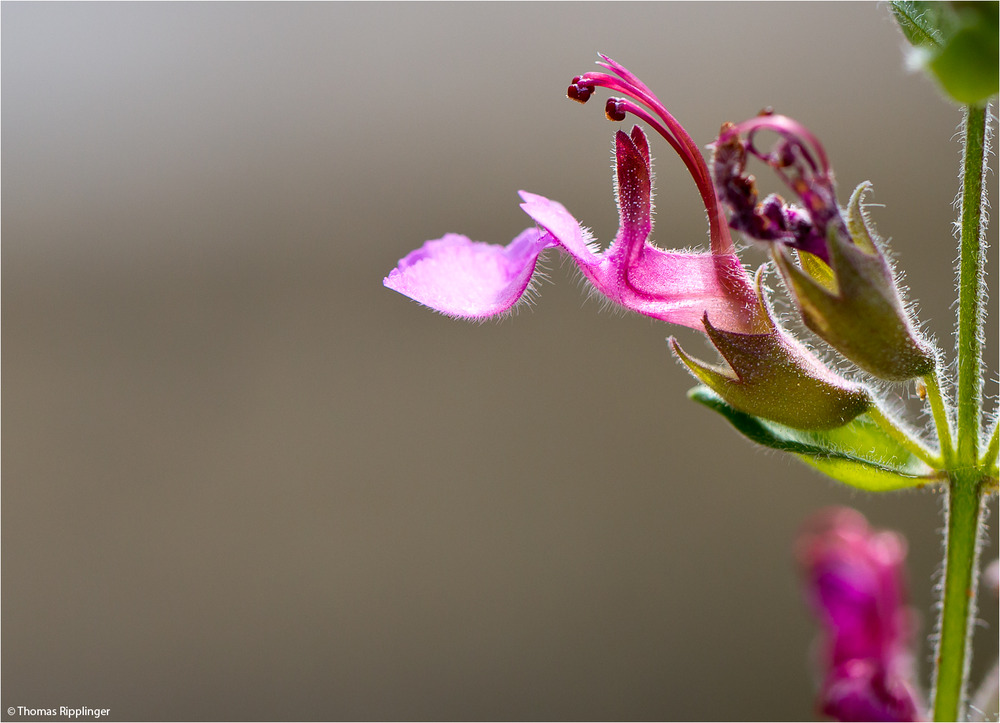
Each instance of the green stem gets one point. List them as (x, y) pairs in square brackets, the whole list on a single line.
[(989, 459), (965, 482), (941, 421), (970, 285), (904, 438), (965, 505)]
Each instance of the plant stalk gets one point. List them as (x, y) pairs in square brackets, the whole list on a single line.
[(958, 608), (904, 437), (965, 503), (970, 285), (941, 421)]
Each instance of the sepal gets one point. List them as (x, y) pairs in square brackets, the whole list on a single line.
[(857, 309), (771, 375)]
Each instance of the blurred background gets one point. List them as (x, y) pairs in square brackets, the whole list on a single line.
[(242, 480)]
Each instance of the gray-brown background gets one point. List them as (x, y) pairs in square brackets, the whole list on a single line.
[(241, 479)]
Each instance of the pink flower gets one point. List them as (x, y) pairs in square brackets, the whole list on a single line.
[(766, 374), (854, 581), (467, 279), (677, 287)]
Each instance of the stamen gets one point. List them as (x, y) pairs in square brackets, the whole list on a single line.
[(799, 160), (667, 126)]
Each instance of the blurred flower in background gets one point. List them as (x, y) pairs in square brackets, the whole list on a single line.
[(855, 584)]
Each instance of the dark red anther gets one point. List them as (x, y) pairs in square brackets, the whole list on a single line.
[(579, 93), (783, 155), (614, 109)]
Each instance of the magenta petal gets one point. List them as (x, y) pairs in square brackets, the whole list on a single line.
[(855, 583), (634, 192), (469, 279), (554, 218), (679, 288)]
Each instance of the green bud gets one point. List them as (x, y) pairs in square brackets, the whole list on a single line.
[(774, 377), (858, 311)]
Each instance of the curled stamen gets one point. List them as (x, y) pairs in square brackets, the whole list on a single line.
[(792, 132), (799, 160)]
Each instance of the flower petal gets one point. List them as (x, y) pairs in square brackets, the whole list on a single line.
[(469, 279), (679, 288), (633, 190), (554, 218), (855, 583), (864, 690)]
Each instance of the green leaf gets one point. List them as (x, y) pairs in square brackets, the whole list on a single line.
[(859, 453), (958, 43), (920, 22)]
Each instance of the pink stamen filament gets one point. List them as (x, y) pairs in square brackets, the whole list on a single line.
[(718, 231), (671, 131), (787, 128)]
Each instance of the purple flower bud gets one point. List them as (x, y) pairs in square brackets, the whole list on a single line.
[(862, 690), (854, 583)]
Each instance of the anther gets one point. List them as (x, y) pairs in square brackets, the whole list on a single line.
[(579, 92), (783, 155), (614, 109)]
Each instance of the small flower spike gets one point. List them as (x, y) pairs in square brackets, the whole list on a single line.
[(854, 581), (773, 376), (843, 285)]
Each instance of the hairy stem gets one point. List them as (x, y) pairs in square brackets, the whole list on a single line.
[(904, 437), (941, 422), (989, 459), (965, 482), (970, 285), (958, 606)]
